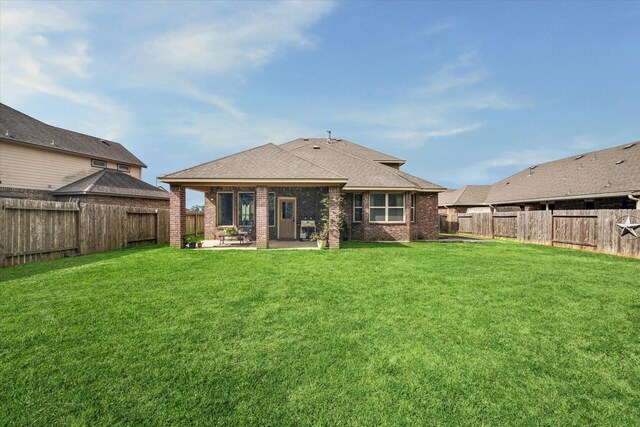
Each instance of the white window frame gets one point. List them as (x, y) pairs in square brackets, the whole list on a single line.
[(124, 168), (386, 208), (254, 207), (233, 203), (413, 206), (275, 209), (100, 165), (361, 207)]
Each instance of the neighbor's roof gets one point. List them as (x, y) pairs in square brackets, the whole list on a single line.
[(346, 146), (267, 161), (20, 128), (604, 173), (470, 195), (309, 160), (111, 182)]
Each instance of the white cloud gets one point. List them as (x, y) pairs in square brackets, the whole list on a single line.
[(464, 71), (246, 38), (45, 52)]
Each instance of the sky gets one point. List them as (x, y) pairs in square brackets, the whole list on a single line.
[(466, 92)]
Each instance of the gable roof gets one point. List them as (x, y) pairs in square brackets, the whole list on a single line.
[(469, 195), (266, 162), (346, 146), (604, 173), (19, 128), (310, 160), (111, 182), (361, 173)]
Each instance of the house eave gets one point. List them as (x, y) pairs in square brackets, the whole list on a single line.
[(418, 190), (74, 153), (251, 181), (553, 199)]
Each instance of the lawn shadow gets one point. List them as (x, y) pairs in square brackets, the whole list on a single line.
[(374, 245), (49, 266)]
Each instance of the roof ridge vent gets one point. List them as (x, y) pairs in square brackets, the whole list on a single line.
[(316, 147), (629, 146), (579, 157), (105, 142), (619, 162)]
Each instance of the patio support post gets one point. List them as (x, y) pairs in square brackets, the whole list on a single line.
[(262, 217), (334, 217), (177, 216), (210, 214)]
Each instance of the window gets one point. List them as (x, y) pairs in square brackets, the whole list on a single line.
[(225, 209), (98, 163), (357, 208), (272, 209), (413, 207), (124, 168), (386, 207), (246, 209)]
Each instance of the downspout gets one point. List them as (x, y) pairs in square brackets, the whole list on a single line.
[(635, 199)]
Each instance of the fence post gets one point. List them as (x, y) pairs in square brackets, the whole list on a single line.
[(3, 235)]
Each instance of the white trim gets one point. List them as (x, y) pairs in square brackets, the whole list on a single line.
[(392, 189), (233, 206), (559, 198), (275, 209), (295, 215), (361, 207), (413, 201), (386, 208), (213, 181), (254, 206)]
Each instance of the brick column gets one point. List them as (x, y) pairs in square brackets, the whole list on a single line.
[(210, 214), (262, 217), (365, 216), (407, 215), (177, 216), (334, 217)]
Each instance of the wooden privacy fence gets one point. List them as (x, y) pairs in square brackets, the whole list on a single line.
[(32, 230), (595, 230), (194, 224)]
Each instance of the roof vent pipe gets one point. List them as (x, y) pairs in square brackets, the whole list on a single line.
[(328, 135)]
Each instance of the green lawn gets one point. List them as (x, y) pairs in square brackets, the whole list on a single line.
[(426, 333)]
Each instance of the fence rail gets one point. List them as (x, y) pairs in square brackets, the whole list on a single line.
[(33, 230), (594, 230)]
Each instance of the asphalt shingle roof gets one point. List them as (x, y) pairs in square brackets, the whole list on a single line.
[(470, 195), (267, 161), (112, 183), (309, 159), (361, 172), (343, 145), (18, 127), (609, 171)]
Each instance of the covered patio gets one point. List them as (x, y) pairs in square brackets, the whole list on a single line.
[(251, 245)]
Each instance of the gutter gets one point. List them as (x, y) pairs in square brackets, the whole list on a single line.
[(579, 196)]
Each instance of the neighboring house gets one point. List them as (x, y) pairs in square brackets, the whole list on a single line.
[(39, 161), (466, 199), (603, 179), (273, 190)]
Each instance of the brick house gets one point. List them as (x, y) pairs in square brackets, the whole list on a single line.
[(602, 179), (272, 191), (43, 162), (469, 198)]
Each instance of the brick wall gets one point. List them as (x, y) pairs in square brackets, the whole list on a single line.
[(308, 207), (426, 226), (334, 218), (262, 218), (177, 216), (120, 201)]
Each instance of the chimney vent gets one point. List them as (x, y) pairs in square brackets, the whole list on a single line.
[(328, 135)]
